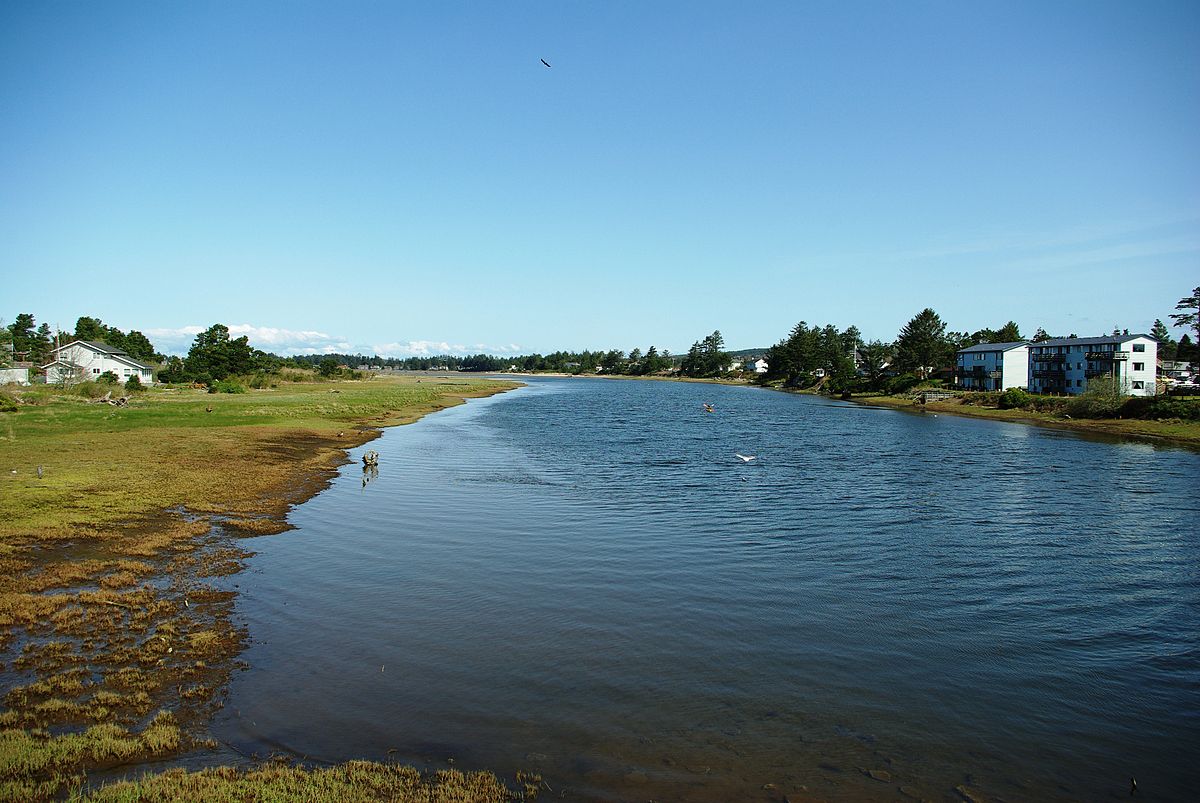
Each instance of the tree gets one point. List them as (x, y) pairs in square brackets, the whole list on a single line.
[(716, 360), (1040, 335), (40, 347), (6, 346), (1009, 333), (327, 367), (876, 356), (89, 329), (1167, 347), (1188, 320), (922, 346), (1186, 350), (655, 362), (215, 355), (138, 346)]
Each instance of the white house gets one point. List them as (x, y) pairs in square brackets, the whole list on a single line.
[(994, 366), (758, 366), (1065, 365), (85, 359)]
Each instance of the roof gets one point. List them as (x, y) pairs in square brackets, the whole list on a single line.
[(1090, 341), (994, 347), (103, 348), (112, 352)]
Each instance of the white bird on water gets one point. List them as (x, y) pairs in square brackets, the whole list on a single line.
[(744, 458)]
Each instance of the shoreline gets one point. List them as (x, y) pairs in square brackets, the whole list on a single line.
[(1110, 428), (116, 605)]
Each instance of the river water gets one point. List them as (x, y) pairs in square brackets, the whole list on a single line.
[(581, 578)]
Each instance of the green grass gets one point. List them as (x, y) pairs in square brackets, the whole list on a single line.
[(105, 465)]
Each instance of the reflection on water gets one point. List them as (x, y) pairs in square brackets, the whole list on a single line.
[(582, 578), (370, 472)]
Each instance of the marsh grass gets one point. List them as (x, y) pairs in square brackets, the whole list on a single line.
[(352, 782), (108, 607)]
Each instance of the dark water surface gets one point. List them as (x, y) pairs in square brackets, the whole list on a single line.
[(580, 578)]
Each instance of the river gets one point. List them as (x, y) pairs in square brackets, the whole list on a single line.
[(581, 578)]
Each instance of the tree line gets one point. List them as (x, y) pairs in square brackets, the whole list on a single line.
[(808, 354)]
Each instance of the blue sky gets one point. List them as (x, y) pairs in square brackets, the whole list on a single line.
[(402, 177)]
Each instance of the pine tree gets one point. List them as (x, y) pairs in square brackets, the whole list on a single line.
[(922, 345)]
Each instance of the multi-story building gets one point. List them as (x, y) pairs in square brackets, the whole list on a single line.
[(1065, 365), (994, 366)]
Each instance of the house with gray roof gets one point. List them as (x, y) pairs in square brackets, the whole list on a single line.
[(86, 359)]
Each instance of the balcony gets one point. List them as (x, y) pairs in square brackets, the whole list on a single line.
[(1107, 355), (1052, 358), (1056, 374)]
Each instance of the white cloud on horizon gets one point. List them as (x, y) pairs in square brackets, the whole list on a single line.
[(287, 342), (268, 338), (432, 348)]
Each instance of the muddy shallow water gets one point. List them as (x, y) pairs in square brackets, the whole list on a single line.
[(581, 578)]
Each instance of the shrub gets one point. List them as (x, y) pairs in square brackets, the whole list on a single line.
[(7, 403), (1014, 399), (1102, 399), (133, 383), (259, 381), (902, 383), (226, 386), (1160, 407), (981, 398), (108, 378), (92, 390)]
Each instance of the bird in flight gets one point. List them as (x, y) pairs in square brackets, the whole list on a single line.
[(708, 408), (744, 458), (543, 61)]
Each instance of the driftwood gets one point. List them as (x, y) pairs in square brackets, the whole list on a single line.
[(108, 399)]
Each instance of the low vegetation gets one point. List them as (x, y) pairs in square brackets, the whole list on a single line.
[(117, 525)]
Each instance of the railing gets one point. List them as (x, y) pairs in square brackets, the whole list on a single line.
[(1051, 373), (1049, 357), (1107, 355)]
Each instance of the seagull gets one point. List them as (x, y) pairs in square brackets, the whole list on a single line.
[(708, 408), (543, 61), (744, 458)]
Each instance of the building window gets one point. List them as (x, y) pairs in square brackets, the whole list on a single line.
[(95, 370), (1078, 383), (1139, 366), (1139, 346), (1138, 385)]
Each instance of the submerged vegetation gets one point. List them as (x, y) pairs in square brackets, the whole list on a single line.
[(117, 525)]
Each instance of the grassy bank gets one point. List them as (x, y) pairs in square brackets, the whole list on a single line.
[(1184, 433), (117, 525)]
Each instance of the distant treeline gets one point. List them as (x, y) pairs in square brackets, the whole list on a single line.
[(838, 358)]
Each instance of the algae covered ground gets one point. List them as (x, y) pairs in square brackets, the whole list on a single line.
[(117, 524)]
